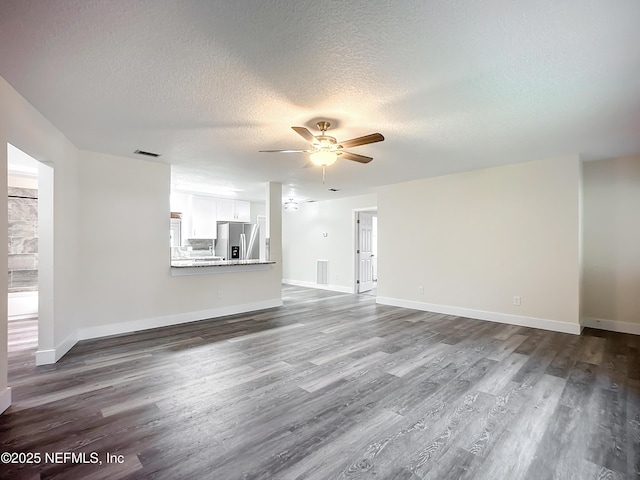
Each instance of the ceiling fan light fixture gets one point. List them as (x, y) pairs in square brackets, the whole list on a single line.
[(324, 157), (290, 205), (327, 148)]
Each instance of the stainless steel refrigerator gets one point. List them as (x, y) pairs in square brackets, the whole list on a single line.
[(238, 241)]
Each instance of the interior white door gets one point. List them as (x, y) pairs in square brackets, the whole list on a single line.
[(365, 252)]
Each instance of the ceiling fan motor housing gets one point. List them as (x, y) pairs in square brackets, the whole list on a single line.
[(324, 141)]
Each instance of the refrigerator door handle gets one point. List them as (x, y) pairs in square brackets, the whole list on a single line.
[(243, 247), (252, 242)]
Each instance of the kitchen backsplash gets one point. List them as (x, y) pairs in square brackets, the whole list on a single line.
[(200, 243)]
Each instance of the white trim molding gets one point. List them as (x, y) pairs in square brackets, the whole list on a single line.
[(333, 288), (47, 357), (5, 399), (611, 325), (168, 320), (542, 323)]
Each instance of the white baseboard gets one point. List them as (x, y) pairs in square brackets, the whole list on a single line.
[(542, 323), (47, 357), (5, 399), (611, 325), (168, 320), (333, 288)]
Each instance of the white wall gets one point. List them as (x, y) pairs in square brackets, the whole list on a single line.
[(5, 391), (273, 208), (611, 296), (104, 263), (304, 243), (257, 209), (25, 128), (124, 227), (475, 240)]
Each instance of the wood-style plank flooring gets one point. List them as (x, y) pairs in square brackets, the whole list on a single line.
[(332, 386)]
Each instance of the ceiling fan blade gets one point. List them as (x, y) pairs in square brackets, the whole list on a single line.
[(355, 157), (355, 142), (304, 133), (286, 151)]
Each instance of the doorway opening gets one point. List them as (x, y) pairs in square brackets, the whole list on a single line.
[(22, 239), (366, 251)]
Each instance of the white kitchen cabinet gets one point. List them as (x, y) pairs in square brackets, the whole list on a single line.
[(233, 210), (201, 212), (175, 235), (203, 217), (242, 211), (225, 209)]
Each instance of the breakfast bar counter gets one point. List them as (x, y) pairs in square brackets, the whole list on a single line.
[(204, 267)]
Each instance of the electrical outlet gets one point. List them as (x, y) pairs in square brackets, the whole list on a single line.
[(421, 289), (219, 293), (516, 301)]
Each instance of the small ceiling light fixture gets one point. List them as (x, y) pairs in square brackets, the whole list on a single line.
[(290, 205)]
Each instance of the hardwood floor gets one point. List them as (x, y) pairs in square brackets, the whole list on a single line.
[(331, 386), (23, 336)]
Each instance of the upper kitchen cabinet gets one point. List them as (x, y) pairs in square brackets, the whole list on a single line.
[(243, 211), (203, 217), (233, 210), (201, 212)]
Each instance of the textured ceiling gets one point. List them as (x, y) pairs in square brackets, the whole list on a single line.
[(453, 85)]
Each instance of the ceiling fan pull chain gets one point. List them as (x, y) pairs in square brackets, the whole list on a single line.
[(324, 169)]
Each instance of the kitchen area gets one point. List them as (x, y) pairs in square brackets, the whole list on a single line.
[(210, 231)]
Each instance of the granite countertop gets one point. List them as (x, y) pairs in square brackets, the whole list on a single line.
[(216, 263)]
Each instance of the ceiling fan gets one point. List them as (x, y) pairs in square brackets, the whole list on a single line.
[(326, 149)]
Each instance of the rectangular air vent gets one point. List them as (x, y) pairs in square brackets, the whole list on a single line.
[(148, 154), (321, 272)]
